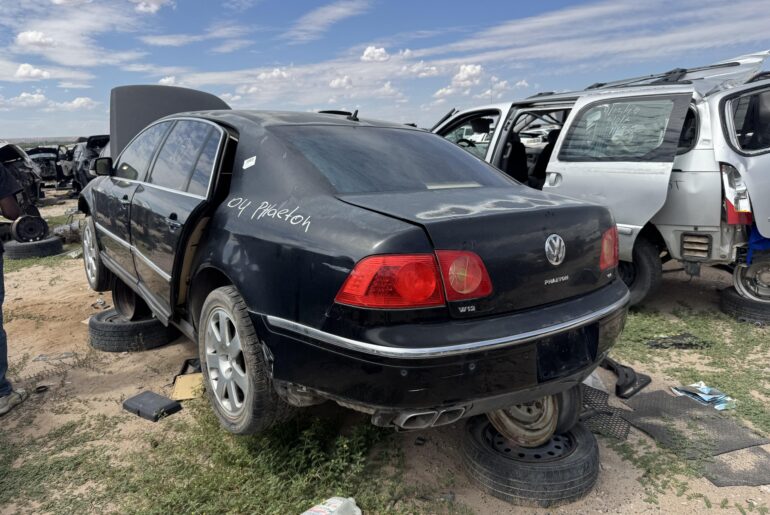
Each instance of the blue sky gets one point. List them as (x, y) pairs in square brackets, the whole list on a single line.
[(397, 60)]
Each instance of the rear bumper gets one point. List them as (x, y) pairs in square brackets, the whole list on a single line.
[(511, 359)]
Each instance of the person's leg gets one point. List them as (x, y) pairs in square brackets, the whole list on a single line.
[(5, 385)]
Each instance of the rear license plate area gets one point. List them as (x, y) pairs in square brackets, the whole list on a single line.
[(564, 354)]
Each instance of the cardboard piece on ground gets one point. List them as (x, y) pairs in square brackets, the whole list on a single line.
[(188, 386)]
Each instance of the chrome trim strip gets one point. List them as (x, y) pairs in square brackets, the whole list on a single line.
[(450, 350), (135, 252)]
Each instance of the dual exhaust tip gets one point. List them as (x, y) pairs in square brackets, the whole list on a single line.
[(423, 419)]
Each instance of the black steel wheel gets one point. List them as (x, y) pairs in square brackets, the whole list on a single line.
[(644, 274), (108, 331), (562, 470), (126, 301), (570, 403), (29, 228), (33, 249)]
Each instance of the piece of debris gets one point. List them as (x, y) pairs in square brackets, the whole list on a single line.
[(50, 357), (151, 406), (335, 506), (188, 386), (629, 382), (679, 341), (705, 395), (41, 388), (420, 441), (75, 254), (100, 304)]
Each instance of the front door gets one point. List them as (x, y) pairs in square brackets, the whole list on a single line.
[(617, 149), (113, 198), (743, 143), (165, 206), (475, 131)]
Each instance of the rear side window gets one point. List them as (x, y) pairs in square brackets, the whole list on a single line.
[(179, 154), (136, 157), (376, 159), (199, 182), (751, 121), (625, 130)]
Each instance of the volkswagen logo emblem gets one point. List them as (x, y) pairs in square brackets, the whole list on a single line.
[(555, 249)]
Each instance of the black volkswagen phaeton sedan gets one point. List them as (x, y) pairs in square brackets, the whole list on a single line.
[(320, 257)]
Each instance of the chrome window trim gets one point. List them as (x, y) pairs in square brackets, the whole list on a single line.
[(449, 350), (222, 138), (134, 251)]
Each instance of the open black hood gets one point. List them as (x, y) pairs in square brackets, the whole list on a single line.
[(132, 108)]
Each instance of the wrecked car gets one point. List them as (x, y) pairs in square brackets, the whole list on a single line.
[(83, 155), (46, 159), (678, 157), (319, 257), (31, 226)]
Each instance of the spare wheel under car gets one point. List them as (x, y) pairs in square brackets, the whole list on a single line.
[(33, 249), (562, 470), (109, 331)]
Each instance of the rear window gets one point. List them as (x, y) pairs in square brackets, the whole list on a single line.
[(374, 159), (751, 121)]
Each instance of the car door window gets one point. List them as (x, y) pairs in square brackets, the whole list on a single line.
[(621, 130), (201, 176), (751, 121), (179, 154), (136, 157), (474, 133)]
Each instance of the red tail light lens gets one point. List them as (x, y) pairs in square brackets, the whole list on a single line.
[(393, 281), (465, 276), (609, 256)]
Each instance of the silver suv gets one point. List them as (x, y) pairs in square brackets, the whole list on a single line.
[(681, 158)]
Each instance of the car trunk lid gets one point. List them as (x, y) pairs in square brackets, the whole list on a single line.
[(508, 229)]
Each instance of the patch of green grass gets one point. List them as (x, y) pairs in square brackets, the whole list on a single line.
[(195, 466), (14, 265), (54, 221)]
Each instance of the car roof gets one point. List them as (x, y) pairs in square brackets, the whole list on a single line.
[(240, 119)]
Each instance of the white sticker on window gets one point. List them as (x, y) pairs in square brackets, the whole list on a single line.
[(248, 163)]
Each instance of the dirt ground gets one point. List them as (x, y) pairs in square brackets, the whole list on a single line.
[(46, 312)]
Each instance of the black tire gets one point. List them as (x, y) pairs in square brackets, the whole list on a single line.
[(262, 407), (570, 404), (108, 331), (551, 482), (644, 275), (34, 249), (101, 278), (746, 310)]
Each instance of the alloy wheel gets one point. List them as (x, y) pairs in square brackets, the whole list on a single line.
[(89, 253), (226, 363)]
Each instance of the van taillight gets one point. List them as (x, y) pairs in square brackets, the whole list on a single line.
[(609, 256), (465, 276), (737, 203), (393, 281)]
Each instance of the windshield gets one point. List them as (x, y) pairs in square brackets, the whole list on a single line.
[(375, 159)]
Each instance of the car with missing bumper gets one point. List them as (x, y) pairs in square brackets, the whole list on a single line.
[(680, 158), (319, 257)]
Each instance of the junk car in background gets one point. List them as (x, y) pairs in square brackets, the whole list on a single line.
[(320, 257), (83, 155), (680, 158)]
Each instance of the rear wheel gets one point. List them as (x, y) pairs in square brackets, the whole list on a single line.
[(753, 281), (643, 275), (235, 373)]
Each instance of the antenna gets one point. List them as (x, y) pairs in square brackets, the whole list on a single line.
[(353, 117)]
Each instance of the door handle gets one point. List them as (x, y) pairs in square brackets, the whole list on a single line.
[(173, 222), (553, 179)]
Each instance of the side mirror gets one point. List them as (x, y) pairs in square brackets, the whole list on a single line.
[(103, 166)]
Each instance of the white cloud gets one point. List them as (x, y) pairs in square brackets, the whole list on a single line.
[(73, 85), (275, 73), (468, 75), (444, 92), (78, 104), (26, 99), (231, 45), (239, 5), (314, 24), (497, 89), (150, 6), (522, 83), (373, 53), (231, 34), (230, 97), (33, 38), (420, 70), (169, 80), (343, 82), (27, 71)]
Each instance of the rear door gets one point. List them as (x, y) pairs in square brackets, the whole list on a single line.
[(166, 204), (113, 194), (476, 131), (742, 140), (617, 149)]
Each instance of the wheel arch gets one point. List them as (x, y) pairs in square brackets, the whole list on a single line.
[(206, 279), (651, 233)]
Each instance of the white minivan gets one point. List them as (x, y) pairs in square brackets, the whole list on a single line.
[(681, 158)]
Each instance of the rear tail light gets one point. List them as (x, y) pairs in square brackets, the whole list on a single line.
[(737, 203), (465, 276), (393, 281), (609, 256)]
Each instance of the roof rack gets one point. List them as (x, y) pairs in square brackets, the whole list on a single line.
[(674, 76), (542, 94), (758, 77)]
